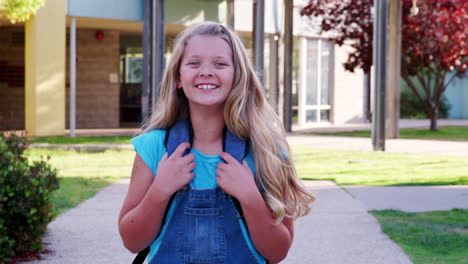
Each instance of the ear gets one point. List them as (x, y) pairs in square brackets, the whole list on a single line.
[(178, 85)]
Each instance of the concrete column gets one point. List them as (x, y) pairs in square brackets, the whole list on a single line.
[(45, 45), (288, 52), (158, 40), (230, 14), (380, 73), (72, 76), (259, 38), (394, 65)]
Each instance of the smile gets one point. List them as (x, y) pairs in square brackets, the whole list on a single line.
[(206, 86)]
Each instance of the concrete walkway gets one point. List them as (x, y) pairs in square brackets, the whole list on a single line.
[(414, 146), (338, 231), (88, 233), (403, 123), (434, 147), (411, 198)]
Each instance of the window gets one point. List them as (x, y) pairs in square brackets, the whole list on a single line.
[(316, 81)]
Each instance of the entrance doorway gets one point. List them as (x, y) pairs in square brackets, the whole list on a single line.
[(131, 80)]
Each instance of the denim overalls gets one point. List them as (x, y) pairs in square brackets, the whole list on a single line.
[(204, 227)]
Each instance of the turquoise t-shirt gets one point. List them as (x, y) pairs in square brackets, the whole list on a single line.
[(150, 147)]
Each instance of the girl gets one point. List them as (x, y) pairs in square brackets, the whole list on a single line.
[(213, 180)]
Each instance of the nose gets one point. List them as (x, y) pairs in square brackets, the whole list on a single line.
[(205, 71)]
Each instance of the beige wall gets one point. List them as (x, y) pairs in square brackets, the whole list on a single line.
[(44, 70), (348, 94), (97, 98), (11, 77)]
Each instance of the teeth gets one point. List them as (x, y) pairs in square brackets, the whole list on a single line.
[(206, 86)]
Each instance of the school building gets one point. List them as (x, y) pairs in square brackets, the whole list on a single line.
[(35, 72)]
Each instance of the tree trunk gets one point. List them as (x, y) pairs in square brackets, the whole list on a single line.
[(367, 93), (433, 116)]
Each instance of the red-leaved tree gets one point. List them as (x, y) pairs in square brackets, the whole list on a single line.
[(434, 46)]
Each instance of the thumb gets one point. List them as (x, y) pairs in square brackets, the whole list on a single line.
[(245, 163)]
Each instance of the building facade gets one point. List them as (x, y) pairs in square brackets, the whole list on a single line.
[(35, 64)]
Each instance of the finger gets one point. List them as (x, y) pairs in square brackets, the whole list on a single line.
[(219, 181), (180, 149), (191, 166), (228, 158), (188, 158), (222, 166), (188, 177)]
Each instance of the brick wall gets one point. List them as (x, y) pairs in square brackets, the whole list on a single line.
[(97, 99), (11, 78)]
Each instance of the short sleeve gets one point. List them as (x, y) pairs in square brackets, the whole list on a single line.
[(150, 147)]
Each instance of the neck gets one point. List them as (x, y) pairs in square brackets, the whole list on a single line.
[(207, 127)]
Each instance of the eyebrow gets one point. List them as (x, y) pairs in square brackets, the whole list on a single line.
[(217, 57)]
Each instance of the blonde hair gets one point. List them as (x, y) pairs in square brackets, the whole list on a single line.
[(247, 115)]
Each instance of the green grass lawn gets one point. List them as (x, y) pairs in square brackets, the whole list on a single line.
[(379, 168), (445, 133), (82, 174), (83, 140), (439, 237)]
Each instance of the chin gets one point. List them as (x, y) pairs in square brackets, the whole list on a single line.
[(208, 104)]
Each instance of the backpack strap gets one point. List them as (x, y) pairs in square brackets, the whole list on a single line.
[(141, 256), (182, 132), (179, 133), (235, 146), (238, 149)]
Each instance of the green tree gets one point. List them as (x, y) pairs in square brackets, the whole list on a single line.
[(19, 10)]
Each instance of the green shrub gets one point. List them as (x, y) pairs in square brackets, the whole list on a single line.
[(410, 107), (25, 209)]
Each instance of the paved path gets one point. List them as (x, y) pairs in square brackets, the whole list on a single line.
[(88, 233), (415, 146), (432, 147), (338, 231), (411, 198)]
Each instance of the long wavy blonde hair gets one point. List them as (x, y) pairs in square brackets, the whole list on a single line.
[(248, 115)]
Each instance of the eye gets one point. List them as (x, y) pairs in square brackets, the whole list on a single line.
[(193, 63), (220, 64)]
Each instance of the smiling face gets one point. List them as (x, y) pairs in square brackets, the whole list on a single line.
[(206, 71)]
